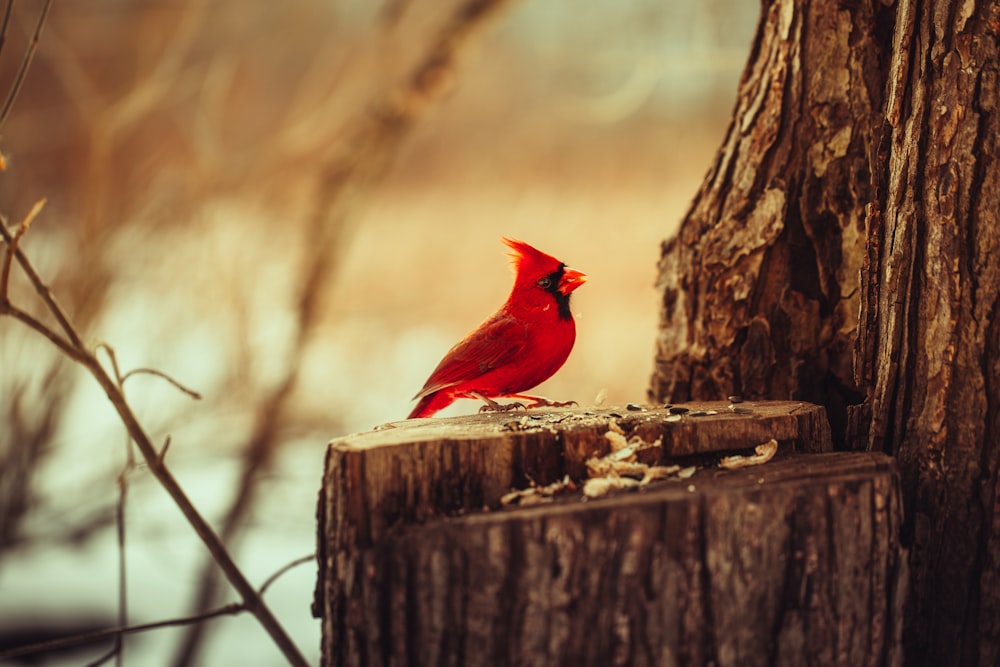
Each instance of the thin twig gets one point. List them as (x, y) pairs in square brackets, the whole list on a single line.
[(113, 358), (97, 635), (104, 658), (368, 156), (163, 452), (211, 540), (230, 609), (117, 651), (294, 564), (258, 454), (3, 41), (46, 294), (143, 371), (64, 345), (122, 566), (8, 257), (160, 374), (29, 55), (6, 24), (75, 349)]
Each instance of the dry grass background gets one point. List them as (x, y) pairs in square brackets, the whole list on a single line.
[(178, 143)]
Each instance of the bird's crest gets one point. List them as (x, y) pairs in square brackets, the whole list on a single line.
[(529, 259)]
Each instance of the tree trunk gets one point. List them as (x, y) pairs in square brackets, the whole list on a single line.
[(844, 249), (424, 559), (761, 285)]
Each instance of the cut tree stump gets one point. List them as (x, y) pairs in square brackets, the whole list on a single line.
[(480, 541)]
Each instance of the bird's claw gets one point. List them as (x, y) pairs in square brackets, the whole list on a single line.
[(493, 406)]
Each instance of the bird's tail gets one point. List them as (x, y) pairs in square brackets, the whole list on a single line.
[(431, 403)]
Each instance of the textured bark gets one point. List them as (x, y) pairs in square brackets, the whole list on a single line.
[(761, 285), (844, 249), (419, 564), (929, 349), (782, 564)]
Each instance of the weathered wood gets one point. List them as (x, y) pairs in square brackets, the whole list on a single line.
[(761, 285), (416, 469), (929, 331), (766, 565), (843, 249)]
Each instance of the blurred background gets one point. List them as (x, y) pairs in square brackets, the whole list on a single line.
[(191, 154)]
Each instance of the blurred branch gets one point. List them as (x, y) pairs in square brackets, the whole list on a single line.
[(7, 308), (122, 569), (74, 348), (29, 55), (28, 429), (347, 177), (6, 24), (8, 257), (88, 637), (162, 81), (114, 115), (110, 118)]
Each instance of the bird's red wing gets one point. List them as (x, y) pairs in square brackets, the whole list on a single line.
[(495, 343)]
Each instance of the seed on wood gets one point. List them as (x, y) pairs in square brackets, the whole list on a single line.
[(678, 410), (634, 407)]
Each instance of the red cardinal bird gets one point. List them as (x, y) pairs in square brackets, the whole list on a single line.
[(519, 347)]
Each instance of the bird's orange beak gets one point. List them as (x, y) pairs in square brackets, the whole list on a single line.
[(571, 279)]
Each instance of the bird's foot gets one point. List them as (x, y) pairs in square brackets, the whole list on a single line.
[(493, 406)]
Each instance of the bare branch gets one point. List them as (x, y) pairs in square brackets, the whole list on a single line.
[(45, 293), (75, 349), (294, 564), (89, 637), (110, 351), (6, 24), (163, 452), (215, 546), (12, 246), (29, 55), (104, 658), (122, 569), (347, 176), (65, 346), (71, 344), (113, 358), (160, 374)]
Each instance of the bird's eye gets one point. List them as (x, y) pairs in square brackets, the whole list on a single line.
[(545, 283)]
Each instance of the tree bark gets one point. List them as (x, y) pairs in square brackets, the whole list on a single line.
[(761, 285), (929, 336), (423, 561), (843, 249)]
